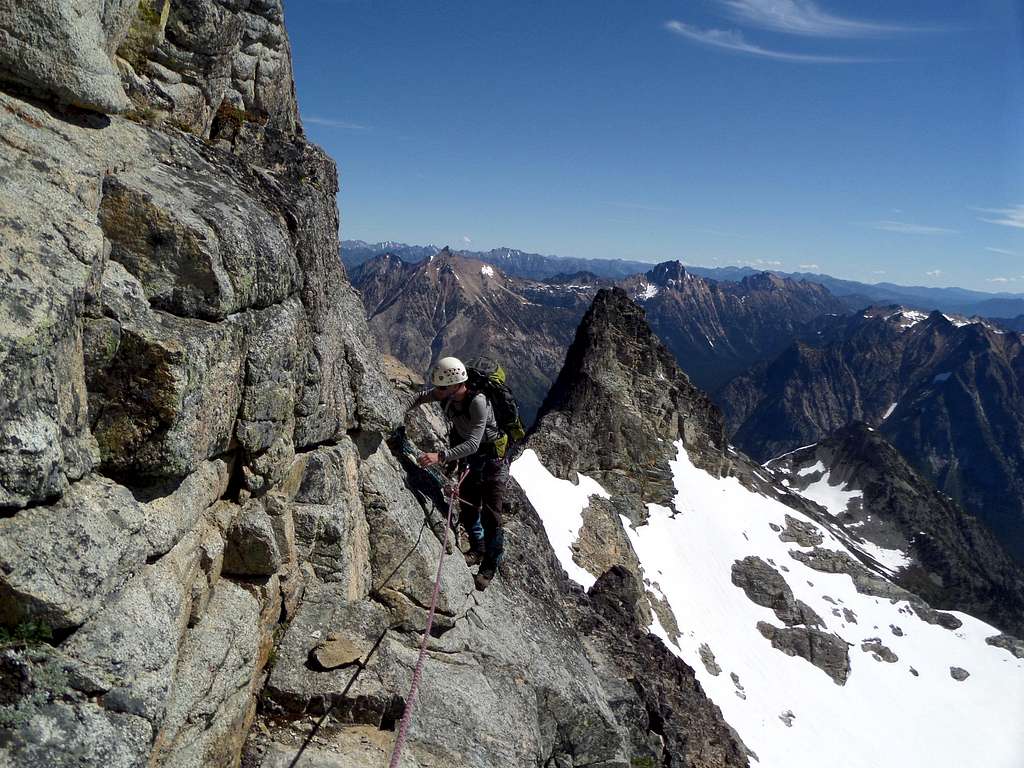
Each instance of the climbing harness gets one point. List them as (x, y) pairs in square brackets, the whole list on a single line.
[(403, 728)]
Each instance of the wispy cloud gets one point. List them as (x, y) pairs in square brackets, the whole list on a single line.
[(733, 40), (804, 17), (878, 272), (907, 228), (809, 266), (467, 239), (933, 272), (760, 264), (1007, 217), (328, 122), (637, 206), (1001, 251), (1000, 279)]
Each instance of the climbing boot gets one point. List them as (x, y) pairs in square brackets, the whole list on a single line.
[(484, 575), (474, 557)]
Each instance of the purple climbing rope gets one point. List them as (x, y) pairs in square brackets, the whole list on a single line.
[(403, 728)]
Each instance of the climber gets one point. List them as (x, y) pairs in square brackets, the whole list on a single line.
[(473, 434)]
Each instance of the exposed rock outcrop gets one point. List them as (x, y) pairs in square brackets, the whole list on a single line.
[(619, 404)]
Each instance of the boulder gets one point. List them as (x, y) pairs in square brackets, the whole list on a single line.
[(253, 547), (878, 650), (336, 651), (801, 532), (200, 245), (766, 586), (59, 564), (829, 653), (1007, 642), (61, 49)]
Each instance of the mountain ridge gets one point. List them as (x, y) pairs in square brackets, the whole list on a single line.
[(949, 394), (1004, 305)]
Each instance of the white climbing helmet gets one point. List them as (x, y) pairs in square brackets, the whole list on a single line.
[(448, 371)]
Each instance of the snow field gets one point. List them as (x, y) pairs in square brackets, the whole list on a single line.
[(883, 716), (560, 504)]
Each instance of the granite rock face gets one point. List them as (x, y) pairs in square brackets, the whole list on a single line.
[(62, 49), (206, 538), (161, 348)]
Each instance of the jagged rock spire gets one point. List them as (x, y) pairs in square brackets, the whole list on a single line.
[(621, 401)]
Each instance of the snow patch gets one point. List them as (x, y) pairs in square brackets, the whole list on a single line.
[(834, 498), (648, 292), (863, 724), (560, 505), (888, 411), (487, 270), (944, 376), (818, 467)]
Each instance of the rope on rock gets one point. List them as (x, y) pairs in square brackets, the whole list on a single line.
[(403, 728)]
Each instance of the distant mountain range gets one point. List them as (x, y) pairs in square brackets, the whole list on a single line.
[(455, 304), (949, 394), (854, 294)]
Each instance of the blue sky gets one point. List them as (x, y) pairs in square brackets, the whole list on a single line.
[(877, 141)]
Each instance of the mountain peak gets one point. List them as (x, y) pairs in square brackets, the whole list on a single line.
[(667, 273), (621, 401), (763, 281)]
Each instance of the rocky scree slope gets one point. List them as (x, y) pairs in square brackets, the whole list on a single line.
[(791, 620), (947, 393), (203, 532)]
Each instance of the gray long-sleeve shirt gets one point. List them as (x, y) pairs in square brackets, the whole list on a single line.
[(472, 423)]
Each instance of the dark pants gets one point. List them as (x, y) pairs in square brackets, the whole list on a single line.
[(482, 497)]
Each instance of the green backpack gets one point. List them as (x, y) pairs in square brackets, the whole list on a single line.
[(488, 377)]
